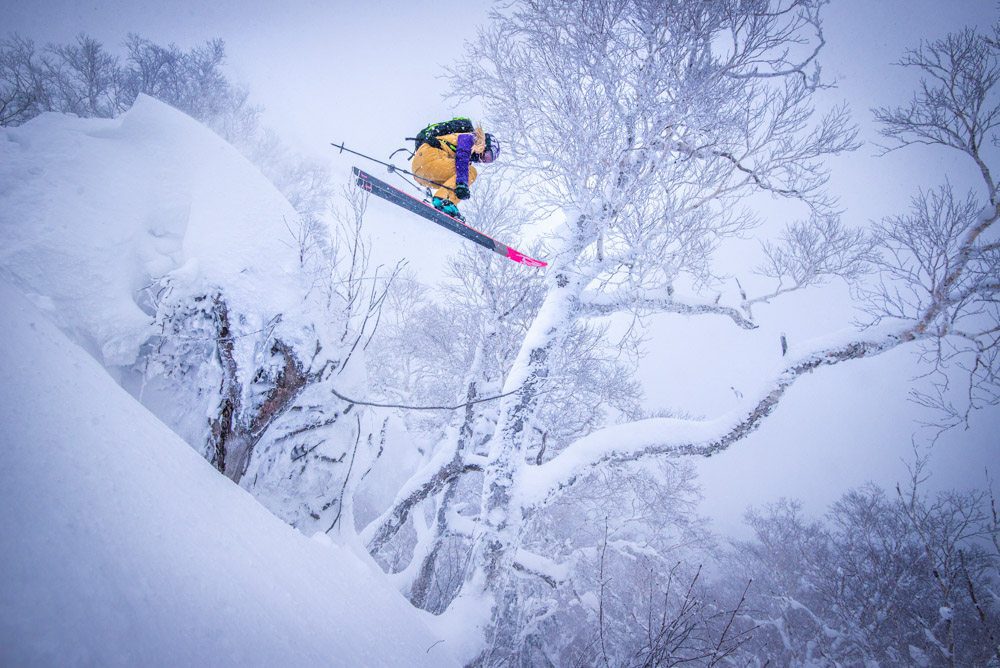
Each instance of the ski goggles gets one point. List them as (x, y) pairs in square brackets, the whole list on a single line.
[(492, 150)]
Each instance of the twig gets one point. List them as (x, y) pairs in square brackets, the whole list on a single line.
[(600, 609), (421, 408), (343, 488), (716, 656)]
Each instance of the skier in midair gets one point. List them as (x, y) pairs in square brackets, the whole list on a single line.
[(442, 158)]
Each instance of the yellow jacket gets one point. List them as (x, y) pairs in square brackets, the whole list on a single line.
[(437, 167)]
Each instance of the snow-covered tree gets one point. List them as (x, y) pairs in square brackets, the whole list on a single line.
[(892, 581), (84, 78), (628, 540), (940, 269), (650, 128), (23, 94)]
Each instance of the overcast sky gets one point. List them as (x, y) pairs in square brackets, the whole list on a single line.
[(369, 73), (365, 72)]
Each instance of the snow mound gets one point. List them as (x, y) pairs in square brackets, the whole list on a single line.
[(95, 212), (121, 546)]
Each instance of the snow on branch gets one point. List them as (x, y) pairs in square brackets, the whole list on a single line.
[(379, 532), (658, 301), (940, 263), (633, 441), (550, 572), (936, 270)]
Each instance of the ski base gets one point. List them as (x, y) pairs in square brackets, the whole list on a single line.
[(369, 183)]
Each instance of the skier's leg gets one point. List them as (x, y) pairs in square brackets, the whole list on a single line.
[(447, 191), (451, 181), (434, 167)]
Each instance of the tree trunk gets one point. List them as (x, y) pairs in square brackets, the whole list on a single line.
[(500, 519)]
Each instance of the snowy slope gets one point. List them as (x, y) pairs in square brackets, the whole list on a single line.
[(121, 546), (125, 230)]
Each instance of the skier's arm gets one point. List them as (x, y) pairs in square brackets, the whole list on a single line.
[(463, 153)]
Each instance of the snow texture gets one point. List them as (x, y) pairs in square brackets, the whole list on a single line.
[(123, 547)]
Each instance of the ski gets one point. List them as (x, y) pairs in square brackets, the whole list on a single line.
[(369, 183)]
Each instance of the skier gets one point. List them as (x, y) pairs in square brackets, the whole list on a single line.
[(442, 156)]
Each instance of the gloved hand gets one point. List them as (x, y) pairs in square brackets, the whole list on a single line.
[(462, 191)]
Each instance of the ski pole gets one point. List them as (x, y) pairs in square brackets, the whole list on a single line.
[(391, 167)]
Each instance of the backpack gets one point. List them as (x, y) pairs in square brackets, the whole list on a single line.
[(429, 135)]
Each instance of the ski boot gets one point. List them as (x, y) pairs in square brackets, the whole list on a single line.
[(447, 206)]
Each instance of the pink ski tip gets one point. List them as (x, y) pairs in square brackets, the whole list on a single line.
[(517, 256)]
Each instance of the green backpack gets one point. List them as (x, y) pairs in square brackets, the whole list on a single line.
[(429, 134)]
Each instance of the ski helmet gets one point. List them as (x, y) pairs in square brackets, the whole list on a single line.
[(492, 150)]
